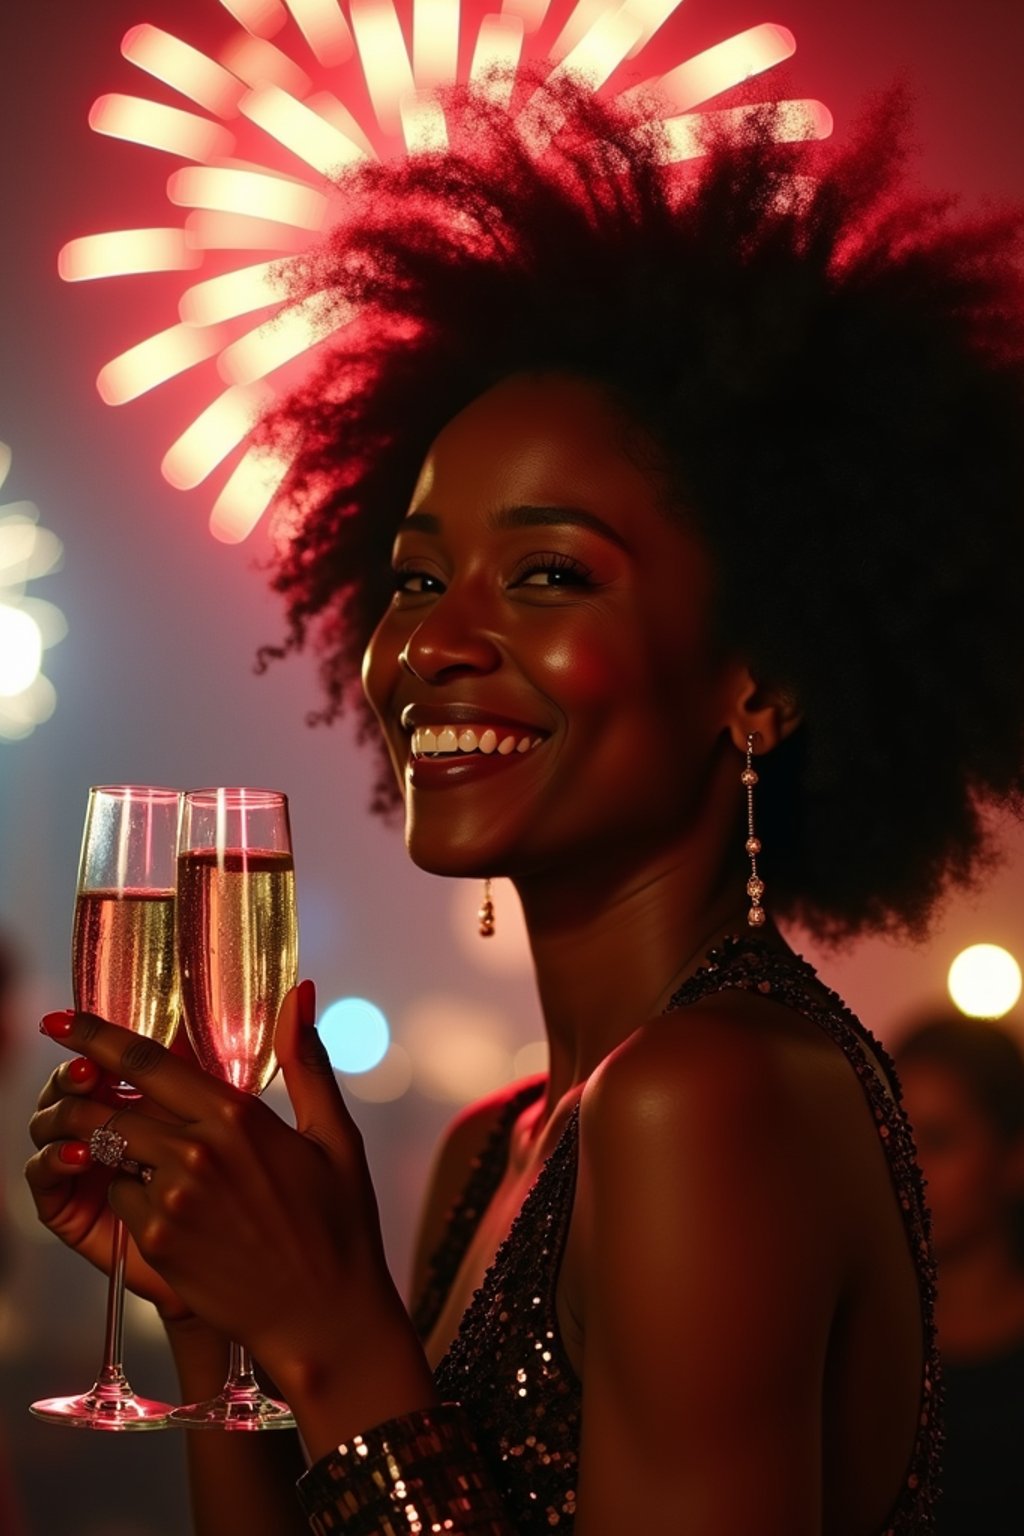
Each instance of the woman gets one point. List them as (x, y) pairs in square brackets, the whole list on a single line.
[(657, 493), (963, 1087)]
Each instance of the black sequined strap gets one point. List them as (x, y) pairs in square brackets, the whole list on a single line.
[(464, 1216), (417, 1473)]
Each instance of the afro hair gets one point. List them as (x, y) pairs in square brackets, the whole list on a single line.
[(830, 364)]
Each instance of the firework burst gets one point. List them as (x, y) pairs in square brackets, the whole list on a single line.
[(302, 90)]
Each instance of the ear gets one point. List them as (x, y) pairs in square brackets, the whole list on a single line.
[(768, 713)]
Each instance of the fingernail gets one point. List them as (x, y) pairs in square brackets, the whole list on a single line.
[(57, 1025), (76, 1153), (82, 1070), (307, 1004)]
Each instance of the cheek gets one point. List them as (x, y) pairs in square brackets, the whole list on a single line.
[(381, 668), (583, 668), (598, 660)]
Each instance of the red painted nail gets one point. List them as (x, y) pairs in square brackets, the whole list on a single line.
[(82, 1070), (307, 1004), (76, 1153), (57, 1025)]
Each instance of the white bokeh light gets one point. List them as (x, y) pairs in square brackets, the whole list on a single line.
[(984, 981), (28, 625), (21, 651)]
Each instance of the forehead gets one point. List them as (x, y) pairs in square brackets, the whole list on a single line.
[(538, 438)]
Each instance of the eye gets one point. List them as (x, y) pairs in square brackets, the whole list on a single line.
[(551, 570), (416, 583)]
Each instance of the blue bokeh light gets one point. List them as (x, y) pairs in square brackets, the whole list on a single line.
[(356, 1034)]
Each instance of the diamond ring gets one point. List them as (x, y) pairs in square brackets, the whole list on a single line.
[(107, 1145)]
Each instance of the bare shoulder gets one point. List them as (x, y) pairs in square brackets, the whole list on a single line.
[(461, 1144), (732, 1061), (732, 1099)]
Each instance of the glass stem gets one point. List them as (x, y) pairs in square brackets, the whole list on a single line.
[(112, 1380), (241, 1382)]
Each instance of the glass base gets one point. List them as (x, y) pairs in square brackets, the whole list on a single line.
[(111, 1406), (247, 1410)]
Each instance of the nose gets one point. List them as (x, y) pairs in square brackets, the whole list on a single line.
[(447, 645)]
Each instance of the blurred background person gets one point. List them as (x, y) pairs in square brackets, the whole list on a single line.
[(963, 1084)]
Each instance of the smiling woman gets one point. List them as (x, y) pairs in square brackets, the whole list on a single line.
[(674, 523), (518, 610)]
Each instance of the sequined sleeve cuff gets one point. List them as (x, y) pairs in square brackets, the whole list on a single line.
[(410, 1476)]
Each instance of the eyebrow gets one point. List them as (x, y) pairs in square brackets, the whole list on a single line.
[(525, 516)]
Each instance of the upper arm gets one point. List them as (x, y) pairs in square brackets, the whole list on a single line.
[(710, 1284)]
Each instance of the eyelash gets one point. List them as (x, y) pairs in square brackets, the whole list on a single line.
[(573, 573), (578, 574)]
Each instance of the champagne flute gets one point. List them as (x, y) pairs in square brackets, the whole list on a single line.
[(237, 941), (123, 968)]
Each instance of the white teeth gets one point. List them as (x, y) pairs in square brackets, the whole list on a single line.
[(446, 740)]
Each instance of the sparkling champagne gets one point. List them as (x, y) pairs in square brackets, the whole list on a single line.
[(238, 953), (122, 960)]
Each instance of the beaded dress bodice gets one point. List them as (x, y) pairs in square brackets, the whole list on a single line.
[(507, 1365)]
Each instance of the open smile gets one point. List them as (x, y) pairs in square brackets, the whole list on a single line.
[(435, 741)]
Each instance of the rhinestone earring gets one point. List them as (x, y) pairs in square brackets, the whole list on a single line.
[(486, 913), (755, 885)]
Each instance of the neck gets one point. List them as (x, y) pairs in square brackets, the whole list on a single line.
[(610, 951)]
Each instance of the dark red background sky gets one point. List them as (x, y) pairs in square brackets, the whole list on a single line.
[(155, 679)]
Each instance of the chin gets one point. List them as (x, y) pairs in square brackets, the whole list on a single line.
[(452, 859)]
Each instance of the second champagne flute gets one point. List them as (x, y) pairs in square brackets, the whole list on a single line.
[(237, 942)]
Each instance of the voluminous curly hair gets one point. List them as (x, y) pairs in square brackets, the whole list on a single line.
[(831, 370)]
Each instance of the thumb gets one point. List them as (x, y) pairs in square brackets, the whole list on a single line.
[(306, 1068)]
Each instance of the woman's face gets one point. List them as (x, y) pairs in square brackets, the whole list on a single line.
[(544, 675), (961, 1156)]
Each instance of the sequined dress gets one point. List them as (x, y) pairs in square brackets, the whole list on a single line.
[(507, 1365)]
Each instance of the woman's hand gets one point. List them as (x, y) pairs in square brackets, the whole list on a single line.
[(70, 1190), (268, 1233)]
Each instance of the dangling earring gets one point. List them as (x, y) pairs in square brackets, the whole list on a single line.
[(486, 913), (755, 885)]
